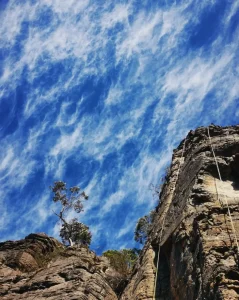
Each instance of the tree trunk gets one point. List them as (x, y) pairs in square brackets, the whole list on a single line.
[(71, 243)]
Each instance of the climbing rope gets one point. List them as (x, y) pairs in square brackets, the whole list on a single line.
[(228, 209), (162, 228)]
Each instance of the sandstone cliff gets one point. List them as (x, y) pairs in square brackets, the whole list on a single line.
[(39, 267), (192, 234), (191, 252)]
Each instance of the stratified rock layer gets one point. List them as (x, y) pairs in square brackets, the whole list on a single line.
[(192, 234), (39, 267)]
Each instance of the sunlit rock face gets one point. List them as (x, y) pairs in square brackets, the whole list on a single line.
[(198, 253), (39, 267), (190, 253)]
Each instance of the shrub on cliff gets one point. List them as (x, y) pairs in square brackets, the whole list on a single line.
[(72, 232), (76, 231), (143, 227), (123, 260)]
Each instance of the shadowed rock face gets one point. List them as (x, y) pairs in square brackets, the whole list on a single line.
[(198, 254), (192, 236), (40, 267)]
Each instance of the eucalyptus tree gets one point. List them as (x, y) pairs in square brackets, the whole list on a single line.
[(72, 232)]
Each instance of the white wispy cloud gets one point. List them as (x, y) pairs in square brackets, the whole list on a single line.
[(119, 14), (151, 88), (113, 200)]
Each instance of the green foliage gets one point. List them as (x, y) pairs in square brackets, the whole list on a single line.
[(123, 260), (69, 198), (72, 232), (143, 227), (76, 231)]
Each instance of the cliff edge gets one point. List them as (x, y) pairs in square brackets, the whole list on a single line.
[(39, 267), (191, 252)]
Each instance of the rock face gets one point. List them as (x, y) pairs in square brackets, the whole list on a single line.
[(39, 267), (192, 252)]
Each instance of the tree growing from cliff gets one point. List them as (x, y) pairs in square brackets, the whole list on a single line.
[(72, 232), (143, 227), (123, 260)]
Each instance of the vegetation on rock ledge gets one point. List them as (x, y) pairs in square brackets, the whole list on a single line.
[(143, 227), (72, 232), (123, 260)]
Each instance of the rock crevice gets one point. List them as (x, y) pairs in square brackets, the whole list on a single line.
[(191, 247), (198, 254)]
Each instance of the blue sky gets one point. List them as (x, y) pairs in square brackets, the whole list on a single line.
[(98, 94)]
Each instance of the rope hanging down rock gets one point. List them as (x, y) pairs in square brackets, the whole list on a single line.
[(228, 209), (161, 232)]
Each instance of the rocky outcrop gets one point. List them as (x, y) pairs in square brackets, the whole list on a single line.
[(191, 252), (39, 267)]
